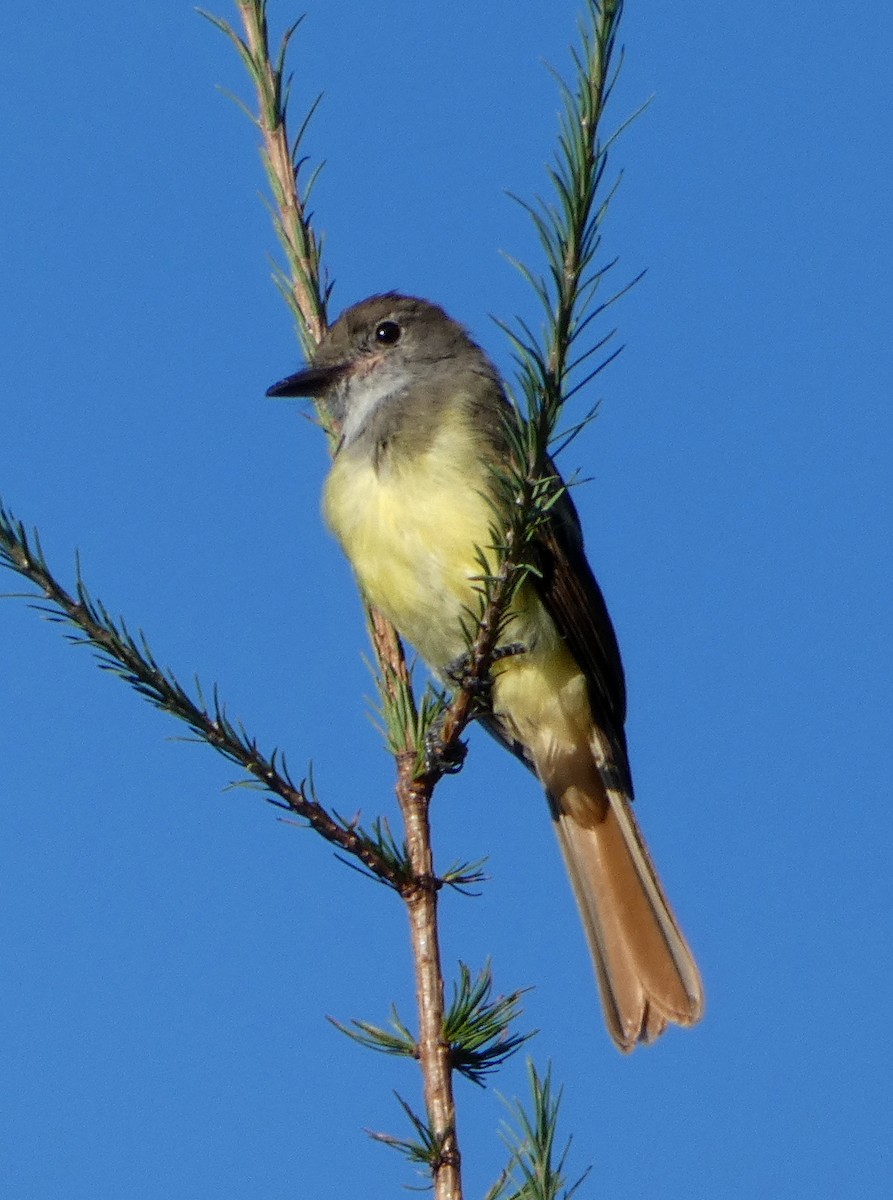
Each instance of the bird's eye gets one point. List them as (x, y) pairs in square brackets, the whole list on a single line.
[(387, 333)]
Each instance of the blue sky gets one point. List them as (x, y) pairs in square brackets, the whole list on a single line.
[(171, 950)]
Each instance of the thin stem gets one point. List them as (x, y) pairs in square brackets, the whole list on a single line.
[(131, 659), (301, 244), (414, 796), (481, 651)]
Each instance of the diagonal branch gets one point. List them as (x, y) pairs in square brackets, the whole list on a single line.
[(131, 659)]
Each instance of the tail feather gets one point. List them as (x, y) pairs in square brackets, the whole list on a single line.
[(646, 973)]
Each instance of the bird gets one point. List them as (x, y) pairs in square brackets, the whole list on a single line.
[(420, 415)]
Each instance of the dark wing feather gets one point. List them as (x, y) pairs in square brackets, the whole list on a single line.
[(574, 601)]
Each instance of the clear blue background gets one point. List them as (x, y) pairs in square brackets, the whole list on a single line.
[(169, 952)]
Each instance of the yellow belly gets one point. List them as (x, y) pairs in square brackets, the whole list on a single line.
[(410, 530)]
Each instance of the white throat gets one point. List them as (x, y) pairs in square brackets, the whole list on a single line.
[(366, 394)]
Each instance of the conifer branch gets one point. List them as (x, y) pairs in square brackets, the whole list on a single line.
[(434, 1053), (401, 716), (476, 1027), (305, 289), (129, 657), (426, 1150), (536, 1170), (569, 230)]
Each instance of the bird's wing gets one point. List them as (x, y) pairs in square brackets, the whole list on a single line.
[(574, 601)]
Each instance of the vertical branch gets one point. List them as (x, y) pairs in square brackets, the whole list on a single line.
[(293, 226), (580, 165), (304, 291), (433, 1049), (569, 230), (307, 298), (389, 653)]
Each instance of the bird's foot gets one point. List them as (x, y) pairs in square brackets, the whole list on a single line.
[(460, 672), (443, 758)]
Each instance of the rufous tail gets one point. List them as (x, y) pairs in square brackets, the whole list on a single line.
[(646, 973)]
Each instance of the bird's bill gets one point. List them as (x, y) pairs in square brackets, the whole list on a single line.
[(312, 381)]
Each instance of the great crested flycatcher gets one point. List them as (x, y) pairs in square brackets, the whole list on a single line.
[(421, 416)]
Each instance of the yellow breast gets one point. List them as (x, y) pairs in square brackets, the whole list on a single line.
[(410, 526)]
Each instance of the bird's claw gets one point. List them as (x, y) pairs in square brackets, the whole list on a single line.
[(443, 758), (460, 672)]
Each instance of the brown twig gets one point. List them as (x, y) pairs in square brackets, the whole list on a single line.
[(300, 243), (414, 795), (482, 650), (133, 662)]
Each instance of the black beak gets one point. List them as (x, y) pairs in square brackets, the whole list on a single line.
[(312, 381)]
